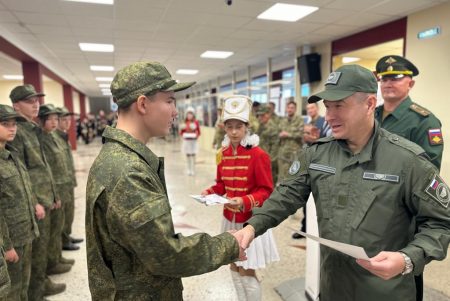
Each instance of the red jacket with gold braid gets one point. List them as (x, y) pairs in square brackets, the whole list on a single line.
[(246, 174)]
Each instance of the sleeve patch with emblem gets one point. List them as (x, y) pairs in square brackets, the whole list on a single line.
[(295, 167), (439, 191), (435, 136)]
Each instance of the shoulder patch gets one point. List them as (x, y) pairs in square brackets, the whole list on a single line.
[(439, 191), (295, 167), (419, 110), (435, 137), (406, 144), (219, 156)]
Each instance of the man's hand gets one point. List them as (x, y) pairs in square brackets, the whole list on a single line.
[(242, 255), (245, 236), (11, 256), (284, 134), (384, 265), (39, 211), (58, 204)]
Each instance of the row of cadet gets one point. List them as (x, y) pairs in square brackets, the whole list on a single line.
[(37, 207)]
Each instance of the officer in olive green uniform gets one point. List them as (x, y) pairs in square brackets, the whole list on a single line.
[(62, 138), (367, 184), (55, 154), (17, 206), (5, 282), (27, 147), (219, 128), (400, 115), (269, 140), (291, 135), (133, 252)]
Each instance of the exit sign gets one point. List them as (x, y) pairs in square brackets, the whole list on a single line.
[(429, 33)]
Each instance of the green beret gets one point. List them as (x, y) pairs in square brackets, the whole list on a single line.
[(392, 65), (143, 78), (7, 113), (23, 93)]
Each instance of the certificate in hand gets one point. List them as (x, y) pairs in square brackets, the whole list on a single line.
[(351, 250), (211, 199)]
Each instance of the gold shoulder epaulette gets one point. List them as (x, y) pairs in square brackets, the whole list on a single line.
[(219, 155), (419, 110)]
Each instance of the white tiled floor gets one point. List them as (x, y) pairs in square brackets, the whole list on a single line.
[(216, 285)]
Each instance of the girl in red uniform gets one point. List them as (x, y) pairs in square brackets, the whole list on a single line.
[(244, 176), (190, 131)]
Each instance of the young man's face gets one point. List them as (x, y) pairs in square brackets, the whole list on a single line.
[(64, 123), (290, 109), (312, 110), (51, 123), (161, 113), (8, 129), (29, 108)]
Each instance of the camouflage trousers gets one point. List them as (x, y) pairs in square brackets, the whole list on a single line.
[(4, 276), (19, 273), (39, 259), (55, 243), (69, 214)]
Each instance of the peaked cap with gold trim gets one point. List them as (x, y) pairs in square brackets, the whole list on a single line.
[(392, 65)]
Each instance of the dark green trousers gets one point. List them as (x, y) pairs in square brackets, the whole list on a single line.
[(19, 273), (69, 214)]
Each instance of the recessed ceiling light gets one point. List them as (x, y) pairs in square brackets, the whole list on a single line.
[(104, 85), (187, 71), (104, 79), (287, 12), (13, 77), (210, 54), (96, 47), (102, 68), (109, 2), (349, 59), (106, 90)]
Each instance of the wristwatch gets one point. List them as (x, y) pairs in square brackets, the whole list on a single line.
[(409, 266)]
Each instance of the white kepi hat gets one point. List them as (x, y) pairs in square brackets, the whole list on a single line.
[(237, 107)]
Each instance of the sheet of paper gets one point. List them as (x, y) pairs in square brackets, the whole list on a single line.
[(351, 250), (211, 199)]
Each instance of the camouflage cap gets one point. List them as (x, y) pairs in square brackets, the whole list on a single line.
[(7, 113), (262, 109), (345, 81), (24, 92), (143, 78), (63, 112), (395, 66), (47, 109)]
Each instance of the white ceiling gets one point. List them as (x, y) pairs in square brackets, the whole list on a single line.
[(176, 32)]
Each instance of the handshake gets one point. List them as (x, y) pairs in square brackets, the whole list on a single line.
[(244, 237)]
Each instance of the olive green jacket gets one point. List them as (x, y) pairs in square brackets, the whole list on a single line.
[(413, 122), (133, 252), (28, 150), (219, 134), (63, 140), (369, 200), (291, 144), (16, 202)]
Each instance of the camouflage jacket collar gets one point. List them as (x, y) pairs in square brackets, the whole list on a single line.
[(4, 153), (114, 134)]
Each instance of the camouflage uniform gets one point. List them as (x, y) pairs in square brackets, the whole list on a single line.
[(4, 276), (290, 145), (269, 142), (29, 152), (253, 123), (133, 252), (17, 207), (219, 133)]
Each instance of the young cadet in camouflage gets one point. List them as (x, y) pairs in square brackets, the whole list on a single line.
[(400, 115), (291, 135), (5, 282), (27, 147), (62, 138), (17, 207), (56, 157), (269, 140), (219, 130), (133, 252), (368, 185)]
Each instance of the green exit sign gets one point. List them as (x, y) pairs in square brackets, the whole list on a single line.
[(429, 33)]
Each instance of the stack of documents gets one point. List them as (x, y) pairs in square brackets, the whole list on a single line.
[(211, 199)]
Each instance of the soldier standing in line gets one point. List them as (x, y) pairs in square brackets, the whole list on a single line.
[(133, 252), (62, 138), (219, 133), (55, 155), (27, 147), (401, 116), (5, 283), (268, 137), (254, 122), (291, 135), (17, 207)]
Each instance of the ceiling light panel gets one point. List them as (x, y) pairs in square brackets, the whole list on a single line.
[(212, 54), (96, 47), (187, 71), (101, 68), (108, 2), (287, 12), (104, 79), (13, 77)]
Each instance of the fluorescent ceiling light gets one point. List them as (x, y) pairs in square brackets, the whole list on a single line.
[(349, 59), (287, 12), (13, 77), (187, 71), (102, 68), (96, 47), (210, 54), (109, 2), (104, 79), (104, 85), (106, 91)]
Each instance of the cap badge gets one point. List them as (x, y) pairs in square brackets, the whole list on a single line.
[(333, 78), (235, 104), (390, 60), (390, 68)]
